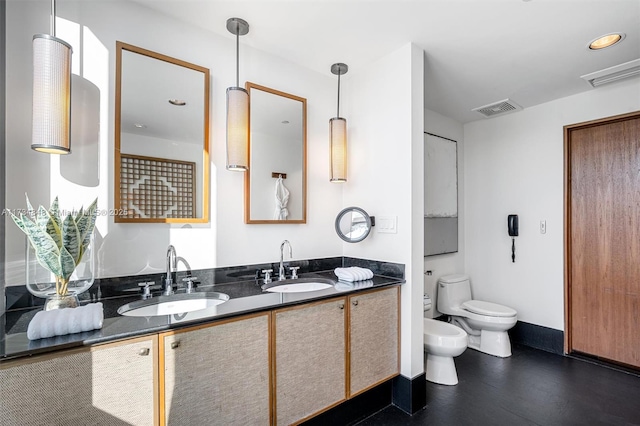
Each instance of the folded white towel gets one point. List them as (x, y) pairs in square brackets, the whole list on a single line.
[(363, 284), (348, 286), (59, 322), (353, 273)]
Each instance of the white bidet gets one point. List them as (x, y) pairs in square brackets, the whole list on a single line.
[(443, 341)]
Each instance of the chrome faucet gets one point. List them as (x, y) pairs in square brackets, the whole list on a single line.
[(172, 269), (281, 273), (172, 266), (188, 280)]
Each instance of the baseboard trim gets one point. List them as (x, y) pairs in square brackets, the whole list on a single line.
[(538, 337), (357, 408), (410, 395)]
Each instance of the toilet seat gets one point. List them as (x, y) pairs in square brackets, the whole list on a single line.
[(487, 308)]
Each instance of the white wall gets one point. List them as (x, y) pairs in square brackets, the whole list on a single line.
[(385, 139), (93, 29), (514, 164), (450, 263)]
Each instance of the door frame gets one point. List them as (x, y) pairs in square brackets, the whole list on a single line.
[(568, 214)]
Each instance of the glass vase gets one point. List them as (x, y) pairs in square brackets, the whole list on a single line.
[(70, 300), (42, 283)]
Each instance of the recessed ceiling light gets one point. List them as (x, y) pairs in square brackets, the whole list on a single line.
[(285, 121), (177, 102), (140, 126), (606, 41)]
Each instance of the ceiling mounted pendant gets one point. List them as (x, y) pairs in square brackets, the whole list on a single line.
[(338, 135), (51, 117), (237, 109)]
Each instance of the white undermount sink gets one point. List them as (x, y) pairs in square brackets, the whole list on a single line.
[(300, 285), (174, 304)]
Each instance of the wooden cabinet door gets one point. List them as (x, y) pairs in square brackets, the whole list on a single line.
[(110, 384), (310, 359), (216, 374), (373, 338)]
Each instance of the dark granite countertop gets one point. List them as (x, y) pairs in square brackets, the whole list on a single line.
[(244, 297)]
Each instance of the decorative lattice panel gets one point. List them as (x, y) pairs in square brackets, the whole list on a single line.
[(157, 187)]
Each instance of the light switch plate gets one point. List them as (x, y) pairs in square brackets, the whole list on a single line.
[(387, 224), (543, 226)]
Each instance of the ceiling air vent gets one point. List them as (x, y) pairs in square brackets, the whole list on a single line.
[(497, 108), (611, 74)]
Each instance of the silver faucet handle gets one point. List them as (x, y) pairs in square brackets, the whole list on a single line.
[(188, 282), (294, 272), (267, 275), (146, 291)]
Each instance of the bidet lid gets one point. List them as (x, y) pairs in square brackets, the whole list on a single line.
[(488, 308)]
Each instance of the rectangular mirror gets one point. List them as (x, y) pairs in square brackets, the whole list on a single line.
[(161, 163), (276, 182), (440, 195)]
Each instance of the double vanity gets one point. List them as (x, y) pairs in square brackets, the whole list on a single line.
[(254, 353), (236, 345)]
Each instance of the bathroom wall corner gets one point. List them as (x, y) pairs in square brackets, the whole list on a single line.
[(410, 395), (2, 147)]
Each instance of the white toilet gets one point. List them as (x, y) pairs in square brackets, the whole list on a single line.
[(486, 323), (442, 341)]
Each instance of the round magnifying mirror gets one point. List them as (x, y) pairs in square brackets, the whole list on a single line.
[(353, 224)]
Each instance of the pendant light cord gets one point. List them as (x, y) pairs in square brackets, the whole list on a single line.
[(338, 109), (53, 18), (237, 55)]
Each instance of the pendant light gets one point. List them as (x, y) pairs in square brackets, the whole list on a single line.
[(237, 109), (51, 119), (338, 135)]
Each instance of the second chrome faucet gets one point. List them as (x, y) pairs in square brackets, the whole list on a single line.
[(281, 273)]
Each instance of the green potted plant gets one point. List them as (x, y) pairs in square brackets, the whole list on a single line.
[(59, 244)]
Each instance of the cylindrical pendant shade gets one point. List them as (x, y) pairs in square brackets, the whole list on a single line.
[(338, 141), (237, 129), (51, 121)]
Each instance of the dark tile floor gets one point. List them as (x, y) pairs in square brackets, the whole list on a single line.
[(531, 387)]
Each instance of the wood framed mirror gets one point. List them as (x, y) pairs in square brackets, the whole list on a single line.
[(161, 162), (276, 183)]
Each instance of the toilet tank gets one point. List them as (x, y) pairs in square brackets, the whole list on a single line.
[(453, 290)]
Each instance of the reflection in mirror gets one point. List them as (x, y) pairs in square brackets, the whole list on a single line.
[(353, 224), (440, 195), (275, 185), (161, 164)]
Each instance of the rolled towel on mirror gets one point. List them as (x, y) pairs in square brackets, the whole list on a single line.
[(59, 322)]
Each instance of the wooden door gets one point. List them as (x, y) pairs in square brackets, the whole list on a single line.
[(374, 338), (603, 238), (309, 349), (111, 384), (216, 373)]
